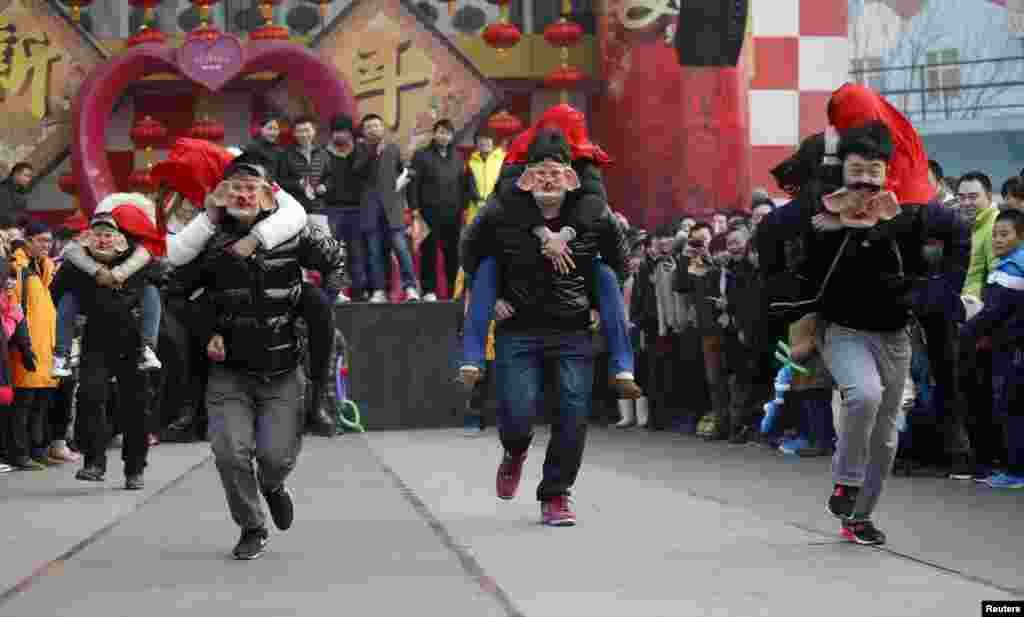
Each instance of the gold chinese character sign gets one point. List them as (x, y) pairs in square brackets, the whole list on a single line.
[(43, 62), (404, 70)]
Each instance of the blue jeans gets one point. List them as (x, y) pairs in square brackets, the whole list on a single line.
[(67, 311), (380, 267), (611, 306), (344, 223), (519, 375)]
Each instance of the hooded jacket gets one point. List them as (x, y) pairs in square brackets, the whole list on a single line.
[(33, 278), (541, 297)]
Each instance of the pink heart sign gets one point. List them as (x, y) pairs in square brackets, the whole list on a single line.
[(211, 58)]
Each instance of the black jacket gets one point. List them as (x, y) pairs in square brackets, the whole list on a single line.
[(938, 294), (441, 187), (112, 325), (542, 298), (253, 303), (295, 167), (12, 202), (268, 155), (871, 286), (345, 177)]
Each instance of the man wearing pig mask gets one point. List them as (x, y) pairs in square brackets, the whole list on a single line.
[(543, 311), (868, 252)]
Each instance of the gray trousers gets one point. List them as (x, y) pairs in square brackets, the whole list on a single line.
[(870, 369), (253, 418)]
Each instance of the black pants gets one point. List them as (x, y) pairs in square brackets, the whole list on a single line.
[(61, 408), (29, 425), (448, 235), (943, 359), (133, 414), (985, 432), (317, 310)]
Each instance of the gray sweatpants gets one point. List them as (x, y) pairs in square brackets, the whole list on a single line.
[(253, 418), (870, 369)]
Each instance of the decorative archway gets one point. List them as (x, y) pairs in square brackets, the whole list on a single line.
[(212, 60)]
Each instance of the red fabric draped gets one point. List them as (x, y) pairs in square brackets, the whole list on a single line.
[(572, 123)]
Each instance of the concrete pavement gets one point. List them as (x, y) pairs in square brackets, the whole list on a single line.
[(394, 523)]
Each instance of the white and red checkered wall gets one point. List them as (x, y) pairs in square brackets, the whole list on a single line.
[(801, 55)]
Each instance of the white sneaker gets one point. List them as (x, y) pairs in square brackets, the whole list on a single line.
[(342, 298), (60, 367), (430, 297), (378, 297), (5, 468), (148, 360), (411, 294)]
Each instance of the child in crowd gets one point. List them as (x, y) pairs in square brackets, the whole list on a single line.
[(1002, 319), (67, 310), (13, 335)]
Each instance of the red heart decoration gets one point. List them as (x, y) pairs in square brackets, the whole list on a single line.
[(211, 58)]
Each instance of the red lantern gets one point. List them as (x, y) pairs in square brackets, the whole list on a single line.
[(146, 35), (502, 34), (504, 125), (563, 33), (146, 134), (76, 9), (210, 130), (141, 181), (270, 32), (68, 184), (204, 10), (563, 78)]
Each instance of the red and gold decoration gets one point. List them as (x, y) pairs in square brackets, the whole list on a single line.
[(76, 9), (504, 125), (209, 129), (146, 134), (204, 11), (564, 34), (502, 34), (269, 31), (147, 33)]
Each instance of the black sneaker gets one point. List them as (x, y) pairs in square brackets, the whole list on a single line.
[(862, 532), (251, 545), (840, 504), (962, 468), (282, 509), (90, 473), (134, 482)]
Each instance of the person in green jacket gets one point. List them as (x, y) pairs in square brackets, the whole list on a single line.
[(975, 194)]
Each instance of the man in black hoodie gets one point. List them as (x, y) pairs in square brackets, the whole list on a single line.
[(344, 181), (865, 308), (14, 189)]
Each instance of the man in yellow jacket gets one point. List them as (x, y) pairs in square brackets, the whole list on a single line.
[(485, 165), (32, 271)]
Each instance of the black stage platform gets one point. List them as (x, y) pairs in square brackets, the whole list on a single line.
[(401, 372)]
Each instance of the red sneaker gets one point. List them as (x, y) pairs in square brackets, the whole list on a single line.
[(557, 512), (509, 473)]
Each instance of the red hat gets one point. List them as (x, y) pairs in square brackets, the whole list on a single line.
[(194, 167), (853, 105), (572, 123)]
